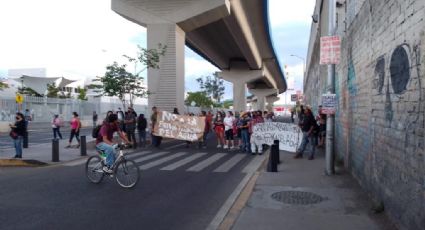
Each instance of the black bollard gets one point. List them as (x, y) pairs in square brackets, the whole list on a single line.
[(276, 142), (274, 157), (83, 146), (25, 140), (55, 150)]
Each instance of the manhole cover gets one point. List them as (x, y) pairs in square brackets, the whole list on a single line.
[(297, 197)]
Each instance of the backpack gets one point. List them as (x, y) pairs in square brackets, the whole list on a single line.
[(95, 131)]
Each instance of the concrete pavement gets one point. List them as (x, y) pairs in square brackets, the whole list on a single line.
[(337, 201)]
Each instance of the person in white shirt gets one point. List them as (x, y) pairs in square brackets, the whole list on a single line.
[(228, 128)]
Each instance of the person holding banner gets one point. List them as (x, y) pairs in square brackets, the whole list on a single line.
[(156, 140), (256, 119)]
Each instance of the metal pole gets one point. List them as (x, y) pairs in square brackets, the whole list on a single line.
[(330, 121), (55, 150), (83, 147)]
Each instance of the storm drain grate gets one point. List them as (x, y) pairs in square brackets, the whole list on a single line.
[(297, 197)]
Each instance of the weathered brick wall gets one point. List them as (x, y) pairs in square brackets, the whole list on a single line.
[(380, 86)]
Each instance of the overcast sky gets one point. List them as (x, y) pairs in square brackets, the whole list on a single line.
[(79, 38)]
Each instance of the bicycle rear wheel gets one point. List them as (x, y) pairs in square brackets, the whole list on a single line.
[(94, 169), (127, 173)]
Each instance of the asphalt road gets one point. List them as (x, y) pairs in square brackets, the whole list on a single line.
[(186, 197)]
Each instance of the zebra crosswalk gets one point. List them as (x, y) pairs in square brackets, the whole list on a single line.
[(193, 162)]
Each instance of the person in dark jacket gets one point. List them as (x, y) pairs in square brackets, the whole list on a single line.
[(141, 128), (19, 129)]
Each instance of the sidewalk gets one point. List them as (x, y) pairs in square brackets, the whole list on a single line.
[(43, 152), (339, 202)]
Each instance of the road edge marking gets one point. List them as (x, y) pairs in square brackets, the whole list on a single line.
[(224, 214)]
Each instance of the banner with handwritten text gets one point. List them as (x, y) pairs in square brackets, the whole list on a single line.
[(289, 135), (187, 128)]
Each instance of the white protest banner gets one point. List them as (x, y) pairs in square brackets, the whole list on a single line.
[(289, 135), (187, 128), (328, 104)]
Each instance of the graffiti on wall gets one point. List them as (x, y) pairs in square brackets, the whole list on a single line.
[(403, 94)]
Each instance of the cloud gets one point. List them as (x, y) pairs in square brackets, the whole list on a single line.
[(289, 12), (79, 37)]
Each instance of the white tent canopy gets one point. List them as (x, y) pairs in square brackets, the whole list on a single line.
[(39, 84)]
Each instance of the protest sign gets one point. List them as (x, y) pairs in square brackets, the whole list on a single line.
[(289, 135), (187, 128), (328, 104)]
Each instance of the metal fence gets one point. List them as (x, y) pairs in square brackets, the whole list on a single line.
[(42, 109)]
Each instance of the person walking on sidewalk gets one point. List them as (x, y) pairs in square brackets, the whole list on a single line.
[(307, 126), (130, 126), (94, 119), (228, 128), (17, 134), (141, 128), (75, 130), (56, 125)]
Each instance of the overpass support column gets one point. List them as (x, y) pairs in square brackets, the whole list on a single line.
[(261, 95), (166, 84), (239, 78), (270, 101)]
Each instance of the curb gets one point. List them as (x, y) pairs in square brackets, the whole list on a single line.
[(21, 163), (229, 212)]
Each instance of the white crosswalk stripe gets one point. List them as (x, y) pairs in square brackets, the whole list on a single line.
[(183, 161), (230, 163), (161, 161), (145, 158), (138, 154), (203, 164)]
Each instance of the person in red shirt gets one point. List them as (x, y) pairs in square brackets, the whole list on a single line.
[(104, 140), (219, 129)]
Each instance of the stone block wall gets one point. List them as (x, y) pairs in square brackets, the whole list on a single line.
[(380, 87)]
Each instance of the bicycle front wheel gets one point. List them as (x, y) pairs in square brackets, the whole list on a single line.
[(127, 173), (94, 169)]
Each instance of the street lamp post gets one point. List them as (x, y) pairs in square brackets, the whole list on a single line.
[(293, 55)]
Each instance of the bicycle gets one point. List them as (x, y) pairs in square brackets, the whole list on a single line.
[(125, 171)]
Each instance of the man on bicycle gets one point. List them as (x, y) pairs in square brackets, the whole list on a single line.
[(104, 140)]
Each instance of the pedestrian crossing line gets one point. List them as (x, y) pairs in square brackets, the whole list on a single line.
[(183, 161), (254, 164), (230, 163), (145, 158), (135, 155), (175, 146), (203, 164), (161, 161)]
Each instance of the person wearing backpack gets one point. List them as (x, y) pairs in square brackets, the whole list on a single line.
[(56, 125)]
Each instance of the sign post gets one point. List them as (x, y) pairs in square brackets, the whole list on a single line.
[(19, 99)]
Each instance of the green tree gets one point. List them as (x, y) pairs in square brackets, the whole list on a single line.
[(213, 86), (52, 90), (227, 104), (3, 85), (118, 82), (28, 91), (200, 98), (82, 93)]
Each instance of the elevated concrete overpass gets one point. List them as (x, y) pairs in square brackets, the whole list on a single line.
[(231, 34)]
